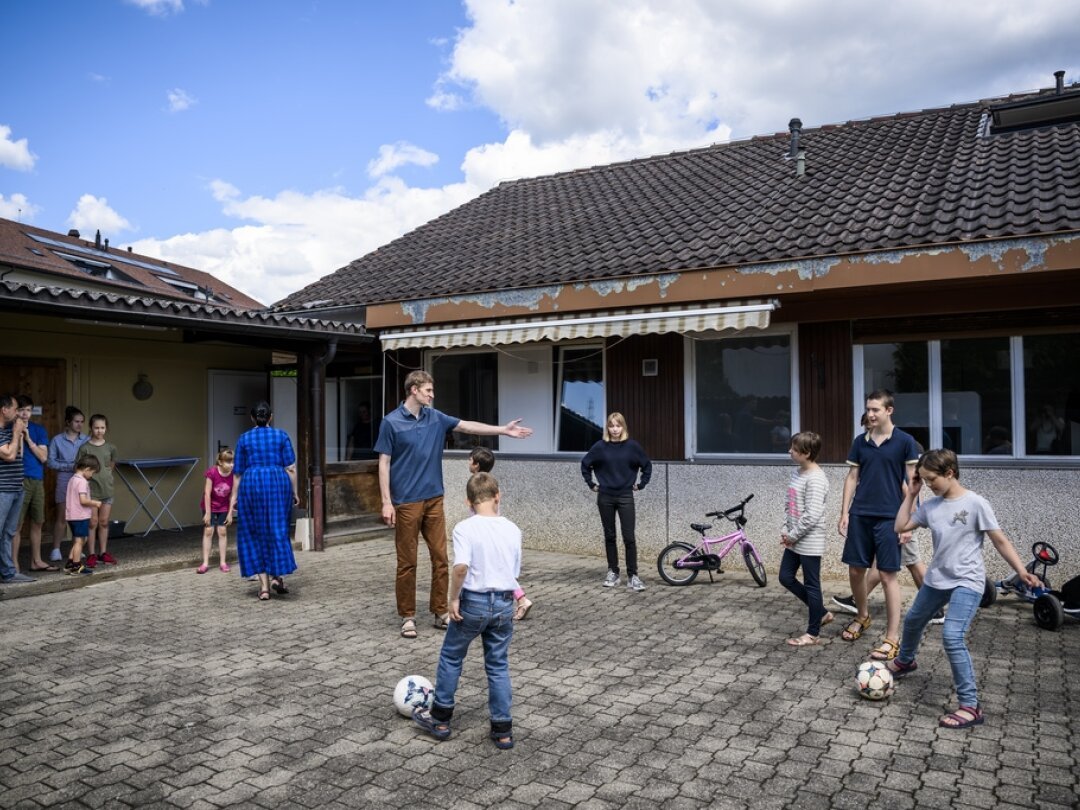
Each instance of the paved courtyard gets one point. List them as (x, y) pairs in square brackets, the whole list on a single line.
[(176, 690)]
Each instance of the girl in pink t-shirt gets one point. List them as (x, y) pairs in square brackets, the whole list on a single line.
[(218, 505)]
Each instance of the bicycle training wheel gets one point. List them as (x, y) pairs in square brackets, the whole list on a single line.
[(754, 565), (665, 565)]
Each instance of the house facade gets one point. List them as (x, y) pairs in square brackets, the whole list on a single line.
[(173, 357), (726, 297)]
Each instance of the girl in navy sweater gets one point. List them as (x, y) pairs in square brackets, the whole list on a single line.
[(616, 462)]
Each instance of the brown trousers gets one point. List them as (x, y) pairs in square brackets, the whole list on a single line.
[(424, 518)]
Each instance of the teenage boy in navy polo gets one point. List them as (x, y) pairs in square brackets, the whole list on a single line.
[(410, 448), (882, 461)]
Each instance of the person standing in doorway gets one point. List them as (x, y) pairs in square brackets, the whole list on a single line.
[(410, 447), (881, 463), (617, 461), (63, 450), (32, 512), (12, 430)]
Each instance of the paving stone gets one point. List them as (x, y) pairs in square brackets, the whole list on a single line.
[(291, 706)]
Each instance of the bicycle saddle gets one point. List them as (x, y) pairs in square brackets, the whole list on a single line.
[(701, 527)]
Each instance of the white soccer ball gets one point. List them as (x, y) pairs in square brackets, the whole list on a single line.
[(413, 692), (873, 680)]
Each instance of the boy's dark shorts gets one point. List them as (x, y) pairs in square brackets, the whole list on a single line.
[(79, 528), (869, 539), (218, 518)]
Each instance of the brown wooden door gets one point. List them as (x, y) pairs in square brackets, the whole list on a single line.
[(43, 380)]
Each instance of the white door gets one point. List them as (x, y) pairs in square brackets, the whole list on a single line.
[(232, 394)]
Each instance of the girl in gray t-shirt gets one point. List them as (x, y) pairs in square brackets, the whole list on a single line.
[(958, 520)]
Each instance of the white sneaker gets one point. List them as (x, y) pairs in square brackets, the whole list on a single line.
[(56, 556), (635, 584), (611, 580)]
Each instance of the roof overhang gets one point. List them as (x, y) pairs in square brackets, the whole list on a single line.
[(613, 323), (206, 319)]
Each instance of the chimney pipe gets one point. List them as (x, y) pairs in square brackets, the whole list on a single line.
[(1059, 76), (800, 163), (106, 246), (97, 239), (130, 250), (795, 128)]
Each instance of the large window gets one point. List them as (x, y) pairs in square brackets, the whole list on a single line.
[(467, 386), (743, 394), (580, 410), (983, 396), (359, 415)]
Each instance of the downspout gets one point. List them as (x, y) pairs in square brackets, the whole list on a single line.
[(318, 382)]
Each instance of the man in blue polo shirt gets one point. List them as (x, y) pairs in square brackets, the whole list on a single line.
[(881, 461), (410, 448)]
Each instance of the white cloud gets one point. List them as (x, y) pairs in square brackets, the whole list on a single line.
[(18, 207), (180, 100), (93, 213), (296, 238), (587, 82), (393, 155), (15, 154), (159, 8)]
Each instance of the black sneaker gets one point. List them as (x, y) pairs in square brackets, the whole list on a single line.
[(939, 617), (846, 603)]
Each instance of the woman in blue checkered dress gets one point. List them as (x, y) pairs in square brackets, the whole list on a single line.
[(265, 492)]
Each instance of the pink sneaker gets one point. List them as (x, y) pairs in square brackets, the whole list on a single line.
[(202, 569), (92, 561), (224, 568), (107, 559)]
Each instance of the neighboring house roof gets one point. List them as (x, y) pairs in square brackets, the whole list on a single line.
[(69, 261), (48, 273), (199, 318), (933, 177)]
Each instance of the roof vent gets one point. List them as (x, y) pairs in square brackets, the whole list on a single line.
[(795, 128), (1059, 81), (74, 233)]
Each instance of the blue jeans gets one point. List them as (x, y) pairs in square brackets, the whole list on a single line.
[(9, 522), (489, 615), (809, 590), (963, 604)]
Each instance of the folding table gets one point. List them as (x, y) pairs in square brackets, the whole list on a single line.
[(161, 467)]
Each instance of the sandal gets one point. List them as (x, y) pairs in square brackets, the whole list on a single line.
[(828, 618), (202, 569), (964, 717), (278, 584), (408, 627), (503, 740), (899, 669), (264, 596), (885, 651), (438, 729), (441, 622), (855, 628), (805, 640)]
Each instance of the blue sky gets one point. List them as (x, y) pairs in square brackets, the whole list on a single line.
[(272, 142)]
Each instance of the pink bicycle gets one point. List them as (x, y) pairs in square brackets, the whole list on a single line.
[(679, 563)]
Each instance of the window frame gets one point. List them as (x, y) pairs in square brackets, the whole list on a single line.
[(690, 396), (1020, 455)]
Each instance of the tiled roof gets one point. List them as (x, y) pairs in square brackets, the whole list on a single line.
[(40, 251), (914, 179), (198, 317)]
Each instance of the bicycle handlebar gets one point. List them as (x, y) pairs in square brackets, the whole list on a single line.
[(733, 510)]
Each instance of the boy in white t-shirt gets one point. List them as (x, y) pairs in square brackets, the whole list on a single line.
[(958, 520), (487, 562)]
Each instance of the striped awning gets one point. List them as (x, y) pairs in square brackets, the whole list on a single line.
[(613, 323)]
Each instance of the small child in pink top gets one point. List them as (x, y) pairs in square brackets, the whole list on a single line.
[(78, 507), (218, 505), (483, 460)]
